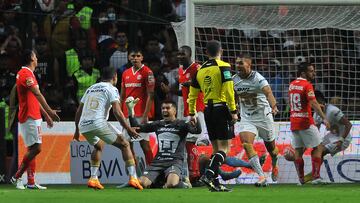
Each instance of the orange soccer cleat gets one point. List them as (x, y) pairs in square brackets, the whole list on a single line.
[(135, 183), (95, 183)]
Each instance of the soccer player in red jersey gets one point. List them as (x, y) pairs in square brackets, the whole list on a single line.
[(139, 82), (187, 71), (32, 105), (305, 134)]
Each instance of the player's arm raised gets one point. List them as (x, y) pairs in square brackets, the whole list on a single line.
[(270, 97), (52, 113)]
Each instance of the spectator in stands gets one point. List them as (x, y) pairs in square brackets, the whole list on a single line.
[(58, 27), (87, 75), (153, 48), (120, 56), (82, 12), (162, 89), (80, 42), (12, 47), (106, 42)]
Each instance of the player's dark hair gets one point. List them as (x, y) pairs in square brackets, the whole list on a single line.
[(320, 97), (303, 67), (26, 57), (168, 101), (245, 56), (136, 50), (187, 49), (213, 48), (107, 73)]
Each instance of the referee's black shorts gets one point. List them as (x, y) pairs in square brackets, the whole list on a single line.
[(218, 122)]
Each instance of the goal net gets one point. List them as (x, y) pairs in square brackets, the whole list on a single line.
[(278, 37)]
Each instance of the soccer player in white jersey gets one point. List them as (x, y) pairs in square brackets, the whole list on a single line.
[(257, 107), (338, 137), (91, 121)]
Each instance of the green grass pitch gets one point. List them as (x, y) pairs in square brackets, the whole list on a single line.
[(241, 194)]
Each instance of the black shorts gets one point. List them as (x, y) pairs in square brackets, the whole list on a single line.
[(158, 172), (218, 123)]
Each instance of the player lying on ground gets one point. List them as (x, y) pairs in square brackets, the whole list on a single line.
[(171, 136), (91, 121)]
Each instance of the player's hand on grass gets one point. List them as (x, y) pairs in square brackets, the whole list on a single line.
[(76, 135)]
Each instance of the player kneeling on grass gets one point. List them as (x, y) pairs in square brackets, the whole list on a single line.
[(91, 121), (338, 137), (171, 136)]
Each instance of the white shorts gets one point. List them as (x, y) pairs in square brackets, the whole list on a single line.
[(330, 139), (203, 135), (30, 131), (108, 134), (308, 138), (143, 136), (263, 129)]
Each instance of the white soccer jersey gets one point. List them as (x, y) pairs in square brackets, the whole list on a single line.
[(97, 102), (333, 115), (253, 103)]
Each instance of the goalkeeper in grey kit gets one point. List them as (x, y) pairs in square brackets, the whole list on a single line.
[(171, 136)]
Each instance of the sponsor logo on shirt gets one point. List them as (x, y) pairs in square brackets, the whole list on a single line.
[(295, 87), (133, 85), (139, 77)]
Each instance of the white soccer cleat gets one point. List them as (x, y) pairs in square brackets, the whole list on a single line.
[(18, 183), (36, 187)]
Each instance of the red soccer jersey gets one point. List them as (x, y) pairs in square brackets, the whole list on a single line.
[(137, 84), (300, 93), (186, 76), (29, 106)]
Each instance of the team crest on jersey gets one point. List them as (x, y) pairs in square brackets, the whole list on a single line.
[(127, 77), (139, 77), (29, 81)]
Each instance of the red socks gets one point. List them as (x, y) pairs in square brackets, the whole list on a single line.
[(31, 172), (299, 165), (316, 164), (23, 166)]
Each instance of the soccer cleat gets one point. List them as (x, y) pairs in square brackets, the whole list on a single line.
[(135, 183), (95, 183), (187, 182), (319, 181), (36, 187), (209, 183), (18, 183), (221, 188), (275, 173), (262, 182), (229, 175)]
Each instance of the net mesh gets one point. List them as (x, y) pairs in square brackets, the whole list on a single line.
[(278, 38)]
